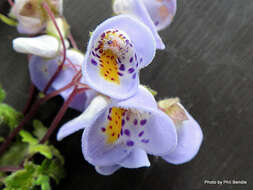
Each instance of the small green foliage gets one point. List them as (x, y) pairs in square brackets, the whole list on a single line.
[(44, 182), (32, 176), (28, 138), (15, 154), (9, 116), (23, 179), (8, 20), (2, 95), (41, 149), (39, 129)]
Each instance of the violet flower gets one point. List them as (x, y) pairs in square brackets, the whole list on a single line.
[(120, 134), (156, 14), (41, 70), (189, 140), (31, 16), (189, 133), (117, 50)]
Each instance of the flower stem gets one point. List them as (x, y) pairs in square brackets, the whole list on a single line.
[(11, 2), (51, 14), (60, 114), (29, 102), (30, 114), (10, 169), (72, 41)]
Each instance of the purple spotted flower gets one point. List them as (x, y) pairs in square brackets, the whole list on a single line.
[(41, 71), (121, 134), (189, 140), (156, 14), (117, 50)]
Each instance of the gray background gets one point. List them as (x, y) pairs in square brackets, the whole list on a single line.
[(208, 63)]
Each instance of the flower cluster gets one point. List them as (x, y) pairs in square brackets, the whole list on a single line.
[(122, 121)]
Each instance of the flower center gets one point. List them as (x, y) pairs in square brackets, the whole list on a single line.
[(113, 54), (114, 124)]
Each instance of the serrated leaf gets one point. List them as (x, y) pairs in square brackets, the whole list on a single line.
[(41, 149), (10, 116), (28, 138), (14, 155), (7, 20), (23, 179), (39, 129), (44, 182)]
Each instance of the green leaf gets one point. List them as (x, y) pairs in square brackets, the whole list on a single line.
[(23, 179), (42, 149), (28, 138), (52, 168), (44, 182), (10, 116), (39, 129), (2, 94), (7, 20), (57, 154), (14, 155)]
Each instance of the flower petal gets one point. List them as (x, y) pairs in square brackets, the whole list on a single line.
[(190, 138), (107, 170), (99, 143), (115, 54), (161, 12), (87, 118), (137, 9), (45, 46), (136, 159)]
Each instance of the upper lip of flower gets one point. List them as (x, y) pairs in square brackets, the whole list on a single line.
[(126, 46)]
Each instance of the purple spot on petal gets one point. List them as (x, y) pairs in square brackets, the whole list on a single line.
[(109, 117), (93, 62), (130, 143), (127, 118), (135, 122), (141, 133), (143, 122), (156, 23), (121, 132), (135, 57), (123, 122), (131, 60), (120, 74), (134, 75), (122, 67), (103, 35), (103, 129), (145, 141), (127, 132), (131, 70)]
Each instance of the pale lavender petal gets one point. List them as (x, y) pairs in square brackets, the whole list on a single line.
[(161, 12), (137, 9), (41, 70), (190, 138), (107, 170), (136, 159), (96, 148), (87, 118), (115, 55)]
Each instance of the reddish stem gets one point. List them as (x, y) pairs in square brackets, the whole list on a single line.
[(51, 14), (11, 3), (72, 41), (29, 102), (10, 169), (59, 116), (30, 114)]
